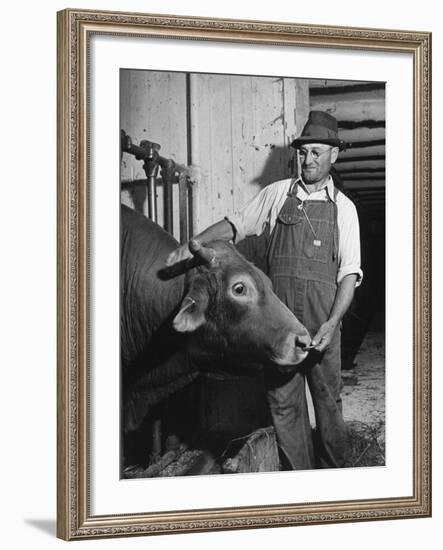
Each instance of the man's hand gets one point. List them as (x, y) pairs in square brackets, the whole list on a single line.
[(178, 255), (324, 336), (221, 230), (343, 299)]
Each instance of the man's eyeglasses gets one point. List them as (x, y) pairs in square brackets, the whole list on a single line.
[(315, 154)]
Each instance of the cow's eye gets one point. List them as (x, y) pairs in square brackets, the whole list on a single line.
[(239, 289)]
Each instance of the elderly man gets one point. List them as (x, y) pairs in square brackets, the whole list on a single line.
[(314, 263)]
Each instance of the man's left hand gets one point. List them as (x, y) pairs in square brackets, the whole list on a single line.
[(324, 336)]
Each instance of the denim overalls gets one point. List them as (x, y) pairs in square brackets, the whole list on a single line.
[(303, 265)]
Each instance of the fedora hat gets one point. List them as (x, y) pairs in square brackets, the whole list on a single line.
[(320, 128)]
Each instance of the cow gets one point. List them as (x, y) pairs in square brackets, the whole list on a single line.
[(215, 311)]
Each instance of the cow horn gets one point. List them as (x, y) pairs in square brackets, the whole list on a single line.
[(205, 253)]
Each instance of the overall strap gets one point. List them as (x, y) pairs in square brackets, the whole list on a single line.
[(290, 196), (293, 188)]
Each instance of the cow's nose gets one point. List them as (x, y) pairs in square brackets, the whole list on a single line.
[(303, 340)]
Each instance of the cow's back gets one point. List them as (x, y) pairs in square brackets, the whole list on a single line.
[(148, 301)]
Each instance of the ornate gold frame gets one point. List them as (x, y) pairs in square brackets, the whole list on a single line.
[(74, 30)]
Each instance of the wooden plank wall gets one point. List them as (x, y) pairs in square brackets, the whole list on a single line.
[(245, 126), (234, 129), (359, 108)]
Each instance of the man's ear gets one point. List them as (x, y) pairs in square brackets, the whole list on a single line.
[(192, 313), (334, 154)]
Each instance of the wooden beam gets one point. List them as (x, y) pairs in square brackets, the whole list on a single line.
[(362, 206), (362, 165), (360, 158), (370, 200), (374, 150), (350, 109), (365, 183), (354, 124), (328, 83), (351, 135), (369, 87), (371, 212), (376, 192), (366, 143), (372, 208), (369, 189), (364, 178), (359, 170)]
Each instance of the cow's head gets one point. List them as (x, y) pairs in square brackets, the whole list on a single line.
[(232, 311)]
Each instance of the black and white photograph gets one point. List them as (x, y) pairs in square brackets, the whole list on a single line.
[(252, 273)]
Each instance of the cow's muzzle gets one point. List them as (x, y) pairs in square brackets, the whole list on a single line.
[(293, 350)]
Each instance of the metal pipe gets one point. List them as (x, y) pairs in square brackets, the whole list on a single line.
[(169, 169), (152, 199), (151, 166)]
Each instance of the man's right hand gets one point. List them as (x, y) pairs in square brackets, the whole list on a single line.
[(179, 254), (222, 230)]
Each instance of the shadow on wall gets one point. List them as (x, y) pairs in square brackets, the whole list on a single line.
[(279, 165)]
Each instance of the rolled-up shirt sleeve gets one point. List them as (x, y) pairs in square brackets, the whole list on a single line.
[(349, 260)]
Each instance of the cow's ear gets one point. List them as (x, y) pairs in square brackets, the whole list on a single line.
[(191, 314)]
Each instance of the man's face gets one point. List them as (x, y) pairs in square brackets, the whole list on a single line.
[(316, 160)]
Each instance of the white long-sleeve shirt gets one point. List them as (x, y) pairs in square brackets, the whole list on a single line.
[(264, 208)]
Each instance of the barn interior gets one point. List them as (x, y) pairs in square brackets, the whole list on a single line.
[(196, 147)]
